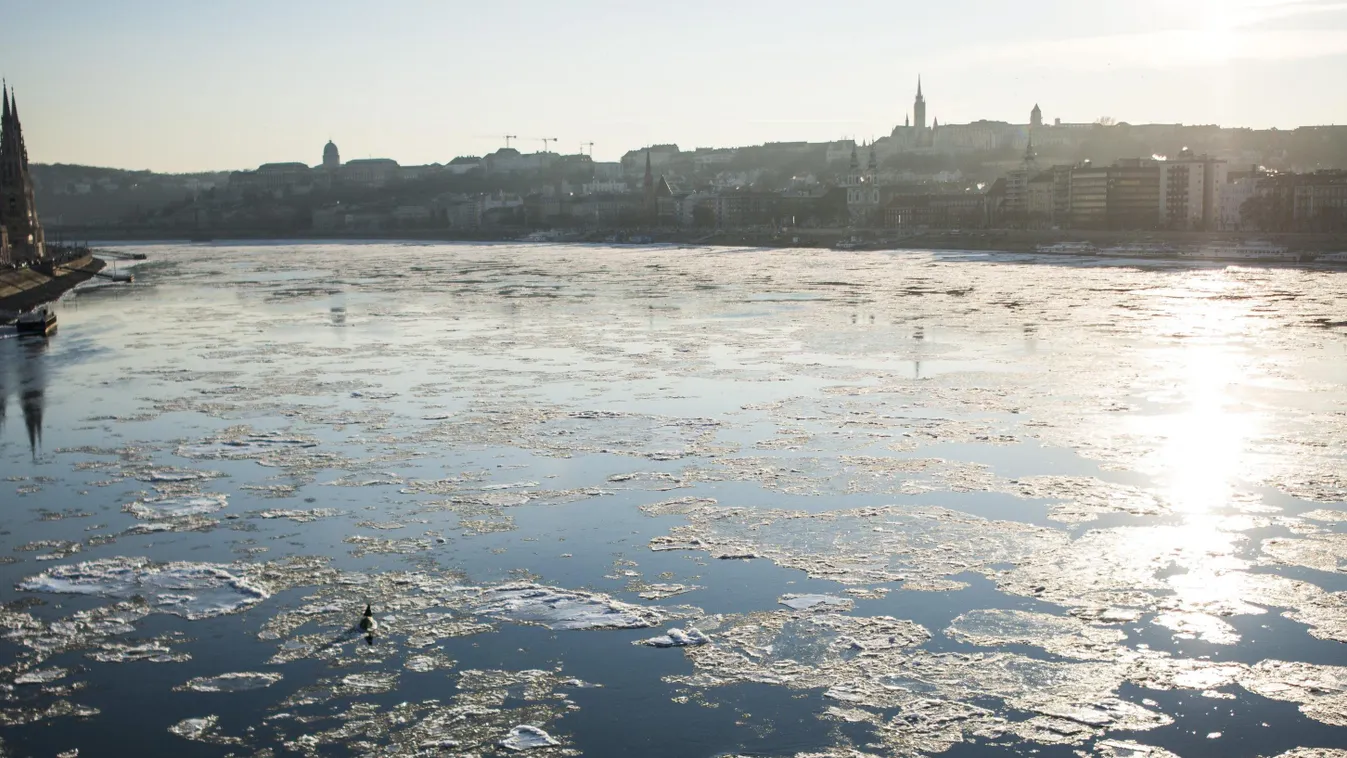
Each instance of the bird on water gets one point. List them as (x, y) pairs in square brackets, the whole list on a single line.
[(367, 622)]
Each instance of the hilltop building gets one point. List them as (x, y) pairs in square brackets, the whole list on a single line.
[(22, 241), (331, 157)]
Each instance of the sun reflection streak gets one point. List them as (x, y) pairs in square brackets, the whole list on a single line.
[(1201, 449)]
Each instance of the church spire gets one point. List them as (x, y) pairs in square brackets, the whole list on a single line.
[(855, 160), (918, 86)]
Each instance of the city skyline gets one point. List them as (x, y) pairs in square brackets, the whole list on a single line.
[(151, 85)]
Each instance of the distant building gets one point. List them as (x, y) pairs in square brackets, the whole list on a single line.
[(1089, 197), (464, 164), (1190, 189), (369, 172), (24, 241), (1237, 190), (863, 189), (1134, 194), (967, 210), (273, 178), (660, 157), (1017, 186), (331, 158), (1039, 203)]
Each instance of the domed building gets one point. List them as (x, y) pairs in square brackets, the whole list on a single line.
[(331, 158)]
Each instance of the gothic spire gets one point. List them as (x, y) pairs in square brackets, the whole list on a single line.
[(918, 85), (855, 161)]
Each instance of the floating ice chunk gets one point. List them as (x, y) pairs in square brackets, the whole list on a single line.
[(175, 475), (1320, 690), (249, 446), (676, 637), (176, 507), (40, 676), (660, 591), (1066, 636), (235, 682), (526, 737), (1129, 749), (805, 602), (562, 609), (204, 729), (190, 590), (509, 486), (302, 516)]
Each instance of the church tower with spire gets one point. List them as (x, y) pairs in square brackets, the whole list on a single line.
[(648, 185), (919, 108), (18, 210)]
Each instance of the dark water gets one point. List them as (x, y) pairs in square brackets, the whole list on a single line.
[(1053, 508)]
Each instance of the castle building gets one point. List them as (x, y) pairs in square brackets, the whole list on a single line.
[(18, 211), (914, 134), (331, 158)]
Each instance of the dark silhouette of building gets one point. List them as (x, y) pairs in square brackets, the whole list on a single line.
[(919, 108), (1036, 117), (331, 158), (18, 210), (651, 203)]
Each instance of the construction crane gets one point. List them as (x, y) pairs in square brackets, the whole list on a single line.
[(509, 137), (589, 145), (546, 141)]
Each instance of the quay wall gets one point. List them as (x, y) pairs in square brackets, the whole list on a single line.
[(22, 289)]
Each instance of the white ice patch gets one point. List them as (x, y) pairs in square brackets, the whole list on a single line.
[(190, 590), (805, 602), (250, 446), (175, 475), (676, 637), (176, 507), (561, 609), (235, 682), (42, 676), (526, 737)]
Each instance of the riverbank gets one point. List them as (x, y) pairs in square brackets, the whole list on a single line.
[(999, 240), (23, 289)]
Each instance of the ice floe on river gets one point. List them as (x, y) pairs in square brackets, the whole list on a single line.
[(191, 590)]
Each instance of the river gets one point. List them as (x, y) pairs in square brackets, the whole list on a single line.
[(675, 501)]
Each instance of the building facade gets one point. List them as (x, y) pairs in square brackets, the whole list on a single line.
[(18, 209), (1190, 189)]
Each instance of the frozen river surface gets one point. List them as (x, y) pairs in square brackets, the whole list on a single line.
[(676, 502)]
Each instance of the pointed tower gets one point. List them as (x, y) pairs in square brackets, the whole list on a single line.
[(1036, 117), (871, 165), (1030, 156), (16, 189), (649, 186), (919, 107)]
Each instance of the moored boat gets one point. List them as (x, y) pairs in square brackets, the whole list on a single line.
[(41, 320)]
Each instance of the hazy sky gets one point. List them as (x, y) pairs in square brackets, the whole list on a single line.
[(181, 85)]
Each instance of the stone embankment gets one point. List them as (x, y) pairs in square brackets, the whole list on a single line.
[(21, 289)]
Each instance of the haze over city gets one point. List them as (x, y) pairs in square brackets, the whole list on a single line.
[(185, 87)]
